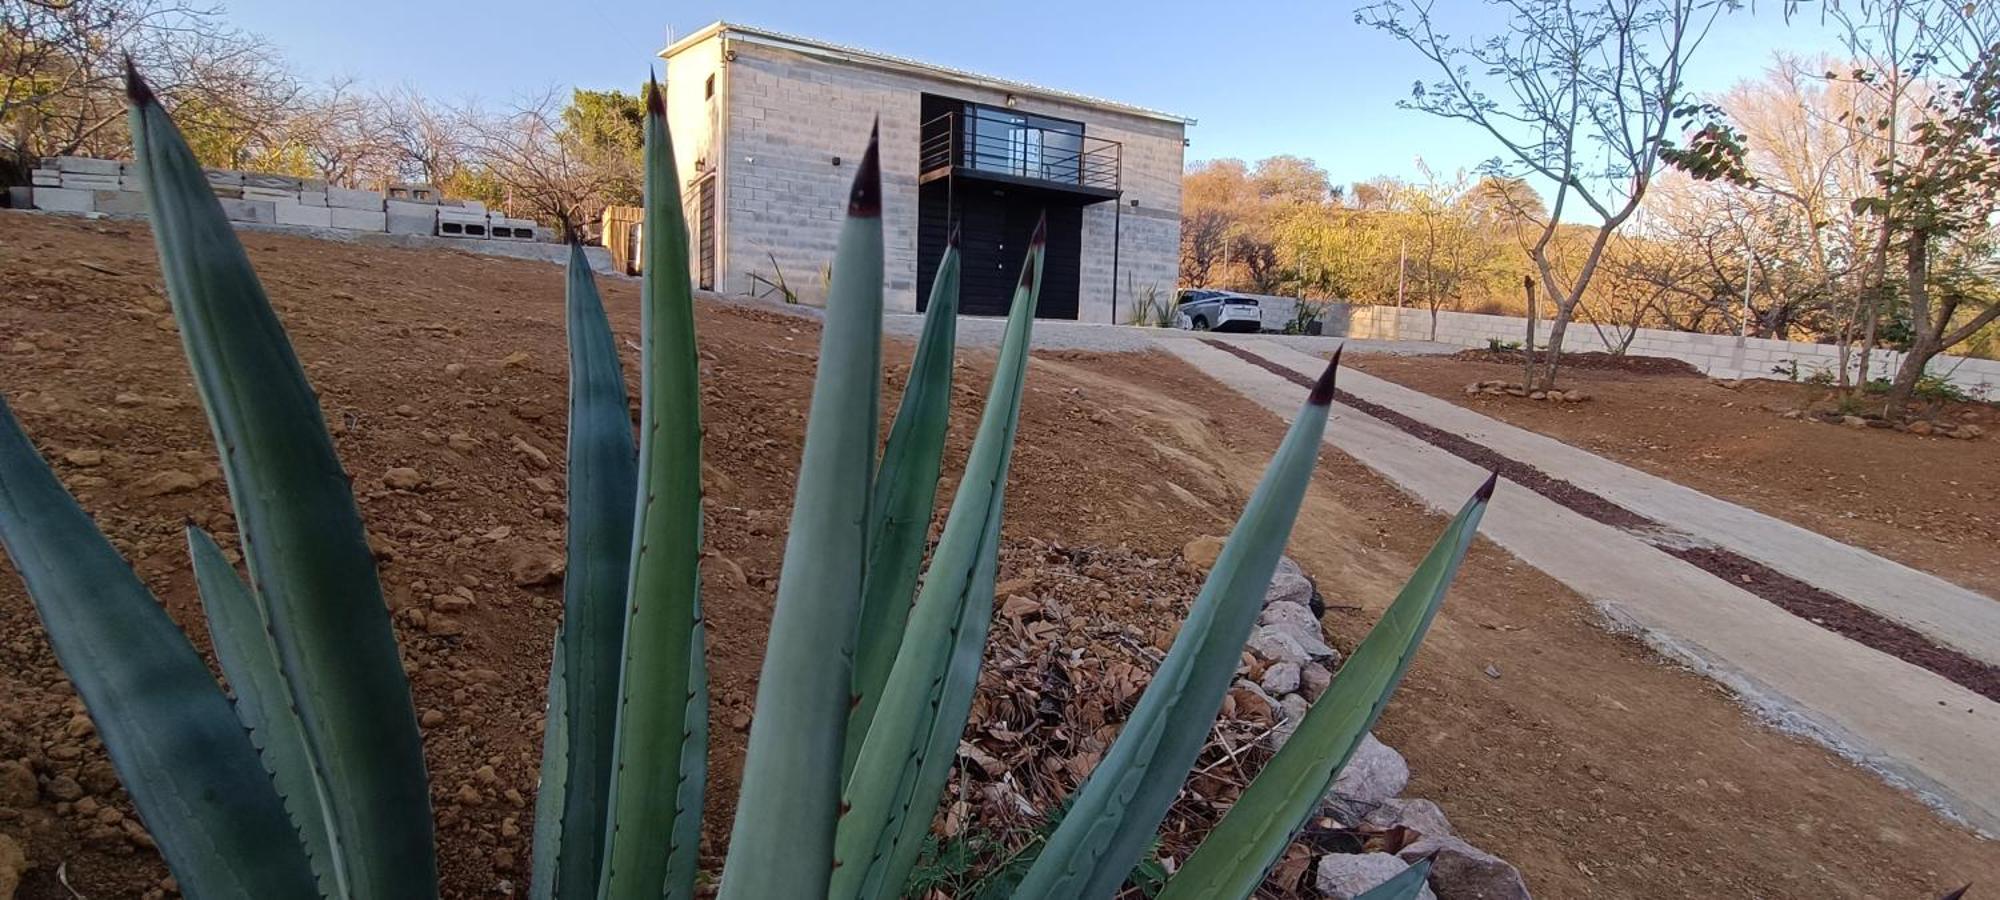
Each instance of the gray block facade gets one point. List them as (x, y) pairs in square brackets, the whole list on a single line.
[(774, 125)]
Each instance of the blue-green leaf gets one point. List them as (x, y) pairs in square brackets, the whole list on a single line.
[(1406, 885), (660, 759), (1234, 858), (302, 536), (907, 755), (179, 750), (552, 789), (782, 840), (1115, 813)]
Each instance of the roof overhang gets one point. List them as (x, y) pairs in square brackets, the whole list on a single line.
[(858, 56)]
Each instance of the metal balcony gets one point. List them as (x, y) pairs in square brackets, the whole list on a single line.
[(989, 145)]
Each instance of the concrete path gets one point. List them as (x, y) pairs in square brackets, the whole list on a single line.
[(1917, 728)]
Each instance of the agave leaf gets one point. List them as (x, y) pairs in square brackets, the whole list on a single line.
[(240, 632), (661, 706), (552, 790), (602, 477), (302, 536), (178, 747), (782, 841), (1116, 811), (907, 755), (1406, 885), (1234, 858), (905, 492)]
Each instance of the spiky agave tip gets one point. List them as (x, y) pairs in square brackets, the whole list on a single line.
[(952, 240), (136, 88), (1041, 237), (866, 198), (656, 99), (1322, 392), (1485, 492)]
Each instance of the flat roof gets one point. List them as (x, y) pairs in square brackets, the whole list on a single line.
[(903, 64)]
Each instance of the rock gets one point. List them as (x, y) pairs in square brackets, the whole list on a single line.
[(1374, 774), (1472, 388), (516, 359), (1460, 871), (1854, 421), (1967, 431), (467, 795), (454, 369), (1301, 626), (1289, 584), (1276, 644), (13, 864), (1791, 414), (18, 789), (1202, 551), (1314, 679), (535, 566), (1420, 816), (1281, 678), (84, 459), (462, 442), (1291, 711), (1574, 395), (168, 481), (1538, 395), (536, 456), (63, 787), (431, 718), (402, 478), (1345, 876), (1921, 427), (129, 399)]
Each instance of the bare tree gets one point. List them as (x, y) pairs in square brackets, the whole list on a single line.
[(427, 141), (549, 164), (1589, 94)]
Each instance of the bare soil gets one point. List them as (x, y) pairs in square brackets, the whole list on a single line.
[(1929, 502), (1592, 765)]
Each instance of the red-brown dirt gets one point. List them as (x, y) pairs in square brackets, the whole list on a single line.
[(1597, 769), (1929, 502)]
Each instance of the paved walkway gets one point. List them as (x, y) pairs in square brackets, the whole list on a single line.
[(1922, 730)]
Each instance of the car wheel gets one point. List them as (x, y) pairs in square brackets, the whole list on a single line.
[(1201, 323)]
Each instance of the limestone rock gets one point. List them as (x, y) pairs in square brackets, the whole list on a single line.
[(1275, 643), (402, 478), (164, 482), (1202, 551), (1299, 624), (535, 566), (1281, 678), (1292, 709), (84, 458), (1460, 871), (1420, 816), (1345, 876), (1374, 774), (1289, 584), (1314, 679), (516, 359)]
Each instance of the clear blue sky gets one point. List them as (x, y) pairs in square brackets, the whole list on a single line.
[(1262, 78)]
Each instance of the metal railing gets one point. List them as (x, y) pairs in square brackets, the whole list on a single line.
[(995, 143)]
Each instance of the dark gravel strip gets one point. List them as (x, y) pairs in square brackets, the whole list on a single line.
[(1827, 610)]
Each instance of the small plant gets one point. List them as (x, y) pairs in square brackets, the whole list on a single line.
[(1151, 309), (1789, 369), (1306, 316), (1497, 345), (311, 782), (1823, 378)]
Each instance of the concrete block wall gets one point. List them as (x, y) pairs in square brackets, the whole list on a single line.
[(787, 115), (1718, 355)]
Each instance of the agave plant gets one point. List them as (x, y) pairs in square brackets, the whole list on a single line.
[(310, 782)]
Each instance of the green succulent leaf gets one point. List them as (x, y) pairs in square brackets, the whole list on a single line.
[(659, 765), (240, 632), (189, 765), (1234, 858), (302, 536), (552, 790), (1116, 811), (603, 475), (907, 755), (1408, 884), (782, 839), (905, 492)]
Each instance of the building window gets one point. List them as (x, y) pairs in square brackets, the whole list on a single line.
[(708, 88), (1029, 146)]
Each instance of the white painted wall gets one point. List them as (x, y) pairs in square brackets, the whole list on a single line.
[(787, 115), (1721, 356)]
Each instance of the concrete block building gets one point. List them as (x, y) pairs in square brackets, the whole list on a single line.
[(768, 128)]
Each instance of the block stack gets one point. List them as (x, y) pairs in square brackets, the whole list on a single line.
[(82, 185)]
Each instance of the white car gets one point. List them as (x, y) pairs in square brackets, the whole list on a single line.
[(1206, 310)]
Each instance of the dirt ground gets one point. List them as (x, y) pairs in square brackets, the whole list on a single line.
[(1929, 502), (1596, 768)]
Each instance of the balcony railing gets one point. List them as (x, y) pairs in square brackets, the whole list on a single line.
[(991, 143)]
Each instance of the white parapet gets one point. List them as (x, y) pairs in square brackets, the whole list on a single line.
[(65, 200), (348, 198), (301, 214), (357, 219)]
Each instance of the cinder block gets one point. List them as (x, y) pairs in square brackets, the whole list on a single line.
[(413, 223), (455, 222), (412, 193), (284, 183), (20, 196), (313, 198), (83, 165), (224, 176), (348, 198), (45, 178), (263, 212), (275, 195), (408, 208), (356, 219), (120, 203), (90, 182), (301, 214), (65, 200)]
